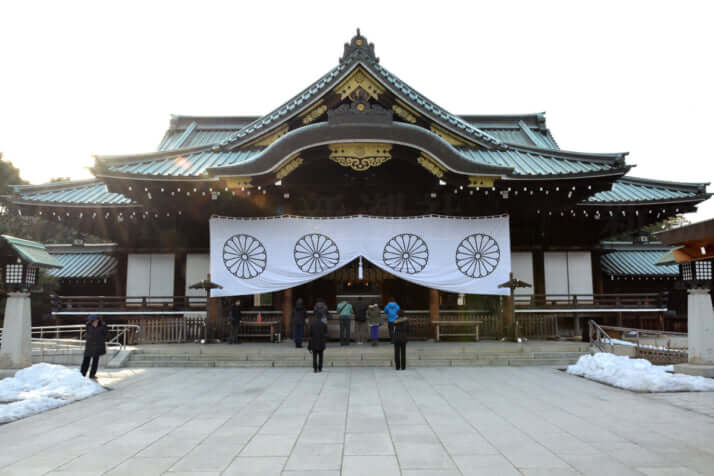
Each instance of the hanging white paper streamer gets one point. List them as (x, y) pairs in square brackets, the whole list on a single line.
[(455, 254)]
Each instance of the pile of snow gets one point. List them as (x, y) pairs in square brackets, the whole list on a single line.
[(637, 374), (40, 388)]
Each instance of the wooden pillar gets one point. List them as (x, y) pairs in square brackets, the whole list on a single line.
[(287, 307), (507, 310), (214, 317), (433, 308), (538, 273)]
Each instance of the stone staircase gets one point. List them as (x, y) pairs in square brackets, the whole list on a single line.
[(419, 354)]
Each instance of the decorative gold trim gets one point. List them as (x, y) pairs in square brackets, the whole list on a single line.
[(449, 137), (431, 165), (481, 181), (239, 182), (317, 110), (360, 156), (270, 138), (403, 113), (288, 167), (359, 78)]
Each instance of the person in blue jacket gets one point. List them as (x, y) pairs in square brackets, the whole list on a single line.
[(391, 310)]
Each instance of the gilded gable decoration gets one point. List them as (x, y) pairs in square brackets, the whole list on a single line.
[(359, 79), (288, 167), (431, 165), (404, 112), (239, 182), (360, 156), (313, 113), (481, 181)]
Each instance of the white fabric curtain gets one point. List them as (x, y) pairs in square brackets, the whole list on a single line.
[(461, 255)]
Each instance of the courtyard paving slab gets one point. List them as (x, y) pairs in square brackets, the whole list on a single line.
[(363, 421)]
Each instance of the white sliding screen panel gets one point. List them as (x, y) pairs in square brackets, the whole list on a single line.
[(138, 277), (522, 268), (568, 273), (162, 276), (197, 269), (580, 273), (556, 272), (150, 275)]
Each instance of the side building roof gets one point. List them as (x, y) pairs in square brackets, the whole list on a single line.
[(623, 259), (88, 262)]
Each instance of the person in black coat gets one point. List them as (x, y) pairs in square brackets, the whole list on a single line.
[(400, 337), (95, 345), (236, 314), (318, 340), (299, 315)]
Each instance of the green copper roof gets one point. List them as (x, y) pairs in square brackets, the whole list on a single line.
[(191, 131), (538, 163), (636, 262), (632, 189), (178, 164), (31, 252), (87, 192), (84, 266)]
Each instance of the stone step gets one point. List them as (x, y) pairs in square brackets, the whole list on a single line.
[(411, 362), (367, 356)]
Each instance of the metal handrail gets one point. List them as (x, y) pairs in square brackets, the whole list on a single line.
[(42, 334), (598, 336)]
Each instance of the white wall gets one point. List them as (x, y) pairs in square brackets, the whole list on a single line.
[(522, 268)]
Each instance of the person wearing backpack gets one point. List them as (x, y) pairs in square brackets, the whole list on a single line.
[(345, 312)]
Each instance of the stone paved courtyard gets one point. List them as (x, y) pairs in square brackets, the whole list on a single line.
[(364, 421)]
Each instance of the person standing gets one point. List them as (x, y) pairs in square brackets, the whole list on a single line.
[(345, 312), (320, 310), (400, 339), (299, 315), (236, 315), (374, 319), (318, 339), (94, 346), (360, 310), (391, 310)]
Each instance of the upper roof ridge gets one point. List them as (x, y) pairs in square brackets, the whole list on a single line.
[(359, 49)]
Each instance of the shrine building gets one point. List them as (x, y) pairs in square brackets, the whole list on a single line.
[(360, 142)]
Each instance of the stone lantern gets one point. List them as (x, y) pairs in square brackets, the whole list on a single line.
[(20, 263)]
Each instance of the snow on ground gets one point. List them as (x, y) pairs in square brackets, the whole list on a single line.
[(40, 388), (636, 374)]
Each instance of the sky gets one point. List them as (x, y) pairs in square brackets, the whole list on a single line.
[(81, 78)]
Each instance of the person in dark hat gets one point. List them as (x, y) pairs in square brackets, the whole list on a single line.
[(95, 345)]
